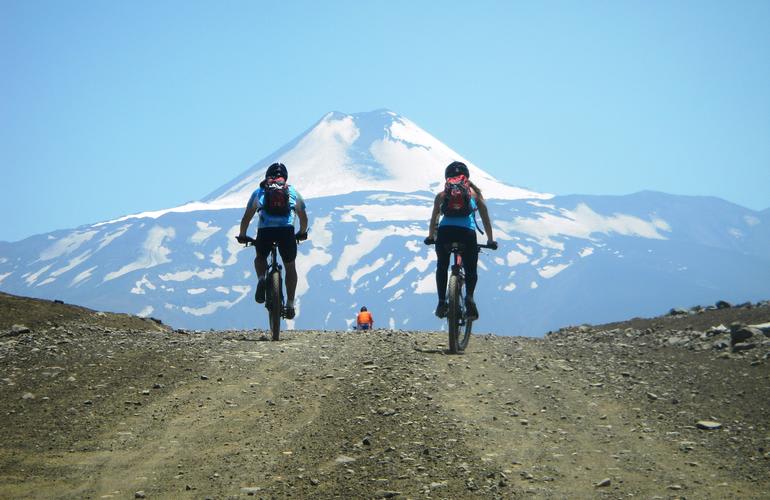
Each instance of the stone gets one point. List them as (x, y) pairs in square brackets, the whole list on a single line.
[(708, 425), (743, 346), (344, 459), (678, 311), (652, 397), (140, 494), (251, 490), (604, 482), (438, 485), (386, 494), (19, 329), (28, 395), (723, 304), (743, 333), (720, 344)]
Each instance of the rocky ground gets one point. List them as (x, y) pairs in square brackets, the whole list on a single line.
[(99, 405)]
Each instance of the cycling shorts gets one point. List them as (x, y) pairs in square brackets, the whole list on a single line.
[(284, 236)]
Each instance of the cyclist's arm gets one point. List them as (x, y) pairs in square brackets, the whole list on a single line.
[(251, 209), (301, 214), (434, 216), (482, 205)]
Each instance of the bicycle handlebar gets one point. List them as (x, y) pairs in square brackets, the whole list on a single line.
[(493, 246), (249, 241)]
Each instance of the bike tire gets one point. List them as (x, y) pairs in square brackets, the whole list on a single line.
[(463, 340), (275, 305), (454, 314)]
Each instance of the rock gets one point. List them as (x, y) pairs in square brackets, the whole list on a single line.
[(19, 329), (652, 397), (604, 482), (720, 344), (723, 304), (28, 395), (678, 311), (140, 494), (675, 487), (743, 346), (386, 412), (438, 485), (743, 333), (344, 459), (708, 425), (386, 494), (251, 490)]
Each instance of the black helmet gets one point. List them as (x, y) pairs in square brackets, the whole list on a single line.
[(456, 168), (363, 309), (277, 170)]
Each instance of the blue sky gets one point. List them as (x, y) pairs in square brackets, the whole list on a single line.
[(110, 108)]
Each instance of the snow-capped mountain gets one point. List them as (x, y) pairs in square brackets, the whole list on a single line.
[(369, 180)]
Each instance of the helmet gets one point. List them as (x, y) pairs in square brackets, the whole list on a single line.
[(456, 168), (363, 309), (277, 170)]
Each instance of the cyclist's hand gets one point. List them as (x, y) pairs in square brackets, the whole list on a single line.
[(429, 241), (242, 239), (492, 245), (301, 236)]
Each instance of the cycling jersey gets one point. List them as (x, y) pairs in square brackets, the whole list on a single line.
[(466, 221), (268, 220)]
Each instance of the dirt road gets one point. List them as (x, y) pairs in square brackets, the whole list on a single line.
[(109, 406)]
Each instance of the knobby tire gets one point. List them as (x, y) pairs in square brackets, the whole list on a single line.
[(454, 313), (275, 305)]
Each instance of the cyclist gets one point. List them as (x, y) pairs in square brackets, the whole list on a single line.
[(458, 228), (277, 203), (365, 320)]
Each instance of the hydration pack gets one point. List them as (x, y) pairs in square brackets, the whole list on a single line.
[(457, 197), (276, 196)]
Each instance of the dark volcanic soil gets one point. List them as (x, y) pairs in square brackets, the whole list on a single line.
[(101, 405)]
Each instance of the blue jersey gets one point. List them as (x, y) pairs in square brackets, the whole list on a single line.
[(257, 201), (467, 221)]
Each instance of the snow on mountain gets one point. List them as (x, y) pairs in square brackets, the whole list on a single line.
[(376, 151), (562, 260)]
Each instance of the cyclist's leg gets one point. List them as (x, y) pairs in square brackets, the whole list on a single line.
[(442, 264), (287, 246), (470, 262), (264, 245)]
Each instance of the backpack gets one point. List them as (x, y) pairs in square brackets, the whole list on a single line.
[(457, 197), (276, 196)]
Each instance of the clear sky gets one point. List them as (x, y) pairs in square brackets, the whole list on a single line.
[(115, 107)]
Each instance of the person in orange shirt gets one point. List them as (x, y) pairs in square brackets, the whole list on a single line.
[(365, 320)]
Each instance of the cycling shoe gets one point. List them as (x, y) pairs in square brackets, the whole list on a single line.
[(471, 313), (441, 309), (260, 295), (288, 313)]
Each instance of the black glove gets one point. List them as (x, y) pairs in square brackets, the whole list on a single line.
[(429, 241), (242, 239), (301, 236), (492, 245)]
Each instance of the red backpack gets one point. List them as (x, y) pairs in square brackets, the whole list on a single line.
[(276, 196), (457, 197)]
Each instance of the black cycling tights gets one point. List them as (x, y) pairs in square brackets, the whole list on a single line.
[(450, 234)]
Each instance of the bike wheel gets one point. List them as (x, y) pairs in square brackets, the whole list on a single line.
[(462, 342), (275, 304), (454, 314)]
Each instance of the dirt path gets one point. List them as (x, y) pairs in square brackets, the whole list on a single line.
[(92, 411)]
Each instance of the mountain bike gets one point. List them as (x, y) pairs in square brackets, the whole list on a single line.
[(273, 290), (457, 322)]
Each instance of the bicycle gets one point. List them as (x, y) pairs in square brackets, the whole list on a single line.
[(456, 319), (273, 289)]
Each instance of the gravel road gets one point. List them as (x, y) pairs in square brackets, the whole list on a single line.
[(99, 405)]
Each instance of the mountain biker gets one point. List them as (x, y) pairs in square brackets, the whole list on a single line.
[(365, 321), (276, 226), (461, 229)]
